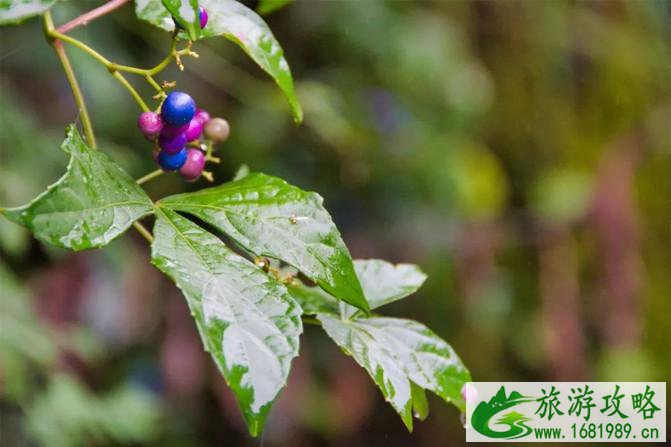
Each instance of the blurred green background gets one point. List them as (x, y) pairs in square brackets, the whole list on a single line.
[(518, 151)]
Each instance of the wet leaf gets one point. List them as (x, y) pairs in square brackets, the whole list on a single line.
[(243, 26), (93, 203), (269, 217), (247, 320), (14, 11), (236, 22), (397, 353)]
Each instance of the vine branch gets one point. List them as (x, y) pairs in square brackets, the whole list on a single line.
[(115, 69), (72, 80), (93, 14), (51, 34)]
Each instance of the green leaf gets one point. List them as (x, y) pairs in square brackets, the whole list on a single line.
[(269, 217), (247, 320), (397, 353), (241, 25), (93, 203), (384, 282), (186, 14), (268, 6), (14, 11)]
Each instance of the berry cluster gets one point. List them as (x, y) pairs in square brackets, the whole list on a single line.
[(176, 132)]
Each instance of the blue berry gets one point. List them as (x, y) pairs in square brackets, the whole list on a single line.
[(172, 162), (178, 109)]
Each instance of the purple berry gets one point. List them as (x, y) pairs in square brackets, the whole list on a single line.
[(172, 144), (178, 109), (203, 116), (170, 131), (150, 124), (195, 128), (203, 17), (171, 161), (193, 167)]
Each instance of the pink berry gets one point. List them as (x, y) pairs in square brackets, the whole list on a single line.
[(171, 131), (193, 167), (150, 124), (203, 17), (203, 116), (194, 129)]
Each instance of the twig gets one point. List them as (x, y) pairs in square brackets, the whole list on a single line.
[(93, 14)]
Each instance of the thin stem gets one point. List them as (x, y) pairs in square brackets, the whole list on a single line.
[(119, 77), (154, 84), (72, 80), (111, 66), (208, 151), (165, 62), (150, 176), (82, 46), (143, 231), (85, 18)]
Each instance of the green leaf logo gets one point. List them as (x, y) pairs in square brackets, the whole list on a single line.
[(515, 421)]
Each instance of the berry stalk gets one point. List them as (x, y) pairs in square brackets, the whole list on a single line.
[(152, 175), (116, 69)]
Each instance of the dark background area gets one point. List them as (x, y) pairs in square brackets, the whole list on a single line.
[(518, 151)]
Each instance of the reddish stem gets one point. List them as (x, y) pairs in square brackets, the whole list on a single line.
[(93, 14)]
